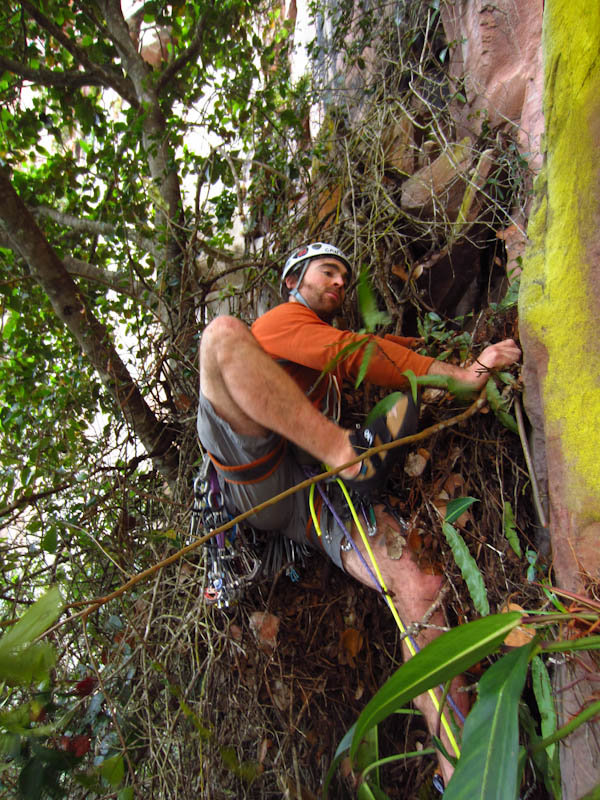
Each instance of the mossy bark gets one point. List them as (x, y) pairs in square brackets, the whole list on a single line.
[(559, 312)]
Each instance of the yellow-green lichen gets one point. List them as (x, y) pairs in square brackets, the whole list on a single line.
[(559, 303)]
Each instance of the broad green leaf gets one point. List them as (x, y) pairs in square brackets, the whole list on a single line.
[(367, 753), (33, 663), (382, 407), (508, 421), (494, 397), (10, 325), (468, 567), (31, 779), (488, 764), (510, 529), (443, 659), (33, 623), (113, 770), (126, 793), (457, 508)]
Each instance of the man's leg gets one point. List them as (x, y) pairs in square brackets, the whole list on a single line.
[(255, 395), (413, 593)]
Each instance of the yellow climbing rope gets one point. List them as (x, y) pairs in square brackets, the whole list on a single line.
[(388, 599)]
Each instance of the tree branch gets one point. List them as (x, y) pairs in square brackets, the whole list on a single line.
[(190, 53), (120, 283), (71, 79), (93, 337), (105, 75), (94, 227)]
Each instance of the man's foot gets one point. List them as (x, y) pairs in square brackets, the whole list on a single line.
[(400, 421)]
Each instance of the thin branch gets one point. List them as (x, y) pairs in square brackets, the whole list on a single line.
[(105, 75), (189, 54), (28, 499), (95, 604), (69, 79), (93, 227), (528, 460), (120, 283)]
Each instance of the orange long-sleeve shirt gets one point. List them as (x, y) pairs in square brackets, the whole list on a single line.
[(305, 345)]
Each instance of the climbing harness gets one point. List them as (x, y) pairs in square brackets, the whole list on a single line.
[(240, 556), (378, 581), (229, 567)]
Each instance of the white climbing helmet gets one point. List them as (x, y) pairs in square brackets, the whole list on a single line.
[(306, 253)]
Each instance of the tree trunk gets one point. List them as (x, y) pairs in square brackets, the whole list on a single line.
[(69, 305)]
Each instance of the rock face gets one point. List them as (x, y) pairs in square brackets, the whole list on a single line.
[(559, 310), (495, 50)]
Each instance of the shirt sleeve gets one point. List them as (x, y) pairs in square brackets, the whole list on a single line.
[(293, 333)]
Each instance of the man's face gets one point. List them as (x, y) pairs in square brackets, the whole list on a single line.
[(323, 286)]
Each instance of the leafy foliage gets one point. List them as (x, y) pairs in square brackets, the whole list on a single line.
[(164, 165)]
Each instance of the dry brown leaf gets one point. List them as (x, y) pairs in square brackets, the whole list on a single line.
[(352, 641), (415, 464), (453, 482), (265, 627), (262, 750), (520, 635), (395, 542), (281, 695)]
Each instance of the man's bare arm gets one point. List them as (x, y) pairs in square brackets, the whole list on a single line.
[(496, 356)]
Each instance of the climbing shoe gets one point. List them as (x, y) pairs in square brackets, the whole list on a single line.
[(400, 421)]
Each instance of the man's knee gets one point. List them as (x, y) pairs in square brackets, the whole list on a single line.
[(223, 327), (221, 335)]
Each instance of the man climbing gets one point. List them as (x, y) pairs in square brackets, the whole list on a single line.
[(269, 405)]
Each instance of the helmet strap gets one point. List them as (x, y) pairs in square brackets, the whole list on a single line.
[(295, 292)]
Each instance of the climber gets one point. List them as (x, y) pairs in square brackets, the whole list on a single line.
[(269, 409)]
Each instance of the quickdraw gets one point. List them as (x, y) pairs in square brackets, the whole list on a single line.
[(231, 565), (239, 556)]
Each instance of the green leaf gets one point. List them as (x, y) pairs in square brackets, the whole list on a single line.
[(364, 364), (457, 508), (10, 325), (367, 304), (367, 753), (510, 530), (488, 765), (33, 663), (443, 659), (469, 569), (126, 793), (50, 539), (494, 397), (498, 406), (412, 379), (113, 770), (508, 421), (42, 614), (568, 645), (382, 407), (542, 689)]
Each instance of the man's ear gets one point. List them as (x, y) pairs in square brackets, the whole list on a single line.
[(291, 281)]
